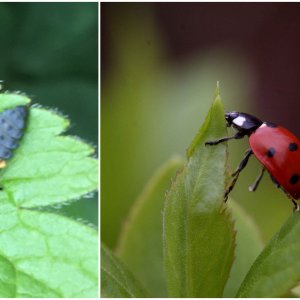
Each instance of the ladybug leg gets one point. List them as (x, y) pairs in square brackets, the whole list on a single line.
[(230, 188), (296, 206), (253, 187), (236, 174), (243, 163), (238, 135)]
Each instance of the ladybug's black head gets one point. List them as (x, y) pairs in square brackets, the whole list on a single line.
[(242, 122)]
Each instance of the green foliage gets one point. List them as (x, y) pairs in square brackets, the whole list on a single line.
[(43, 254), (151, 108), (277, 269), (49, 168), (10, 100), (116, 280), (141, 245), (196, 223), (198, 238), (248, 246), (54, 57), (50, 51)]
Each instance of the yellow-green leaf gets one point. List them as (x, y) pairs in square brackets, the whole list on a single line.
[(44, 254)]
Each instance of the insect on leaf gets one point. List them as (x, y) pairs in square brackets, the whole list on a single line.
[(198, 232), (43, 254)]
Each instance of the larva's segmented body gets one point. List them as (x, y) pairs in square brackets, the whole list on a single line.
[(12, 126)]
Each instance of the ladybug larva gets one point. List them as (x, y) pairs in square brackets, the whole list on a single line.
[(12, 126)]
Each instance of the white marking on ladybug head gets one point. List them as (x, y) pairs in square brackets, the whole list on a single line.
[(263, 125), (239, 121)]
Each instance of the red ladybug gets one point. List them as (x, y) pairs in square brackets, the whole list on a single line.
[(274, 146)]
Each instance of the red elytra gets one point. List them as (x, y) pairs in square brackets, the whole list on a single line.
[(278, 150), (274, 146)]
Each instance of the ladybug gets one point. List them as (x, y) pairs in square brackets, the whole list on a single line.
[(275, 147), (12, 125)]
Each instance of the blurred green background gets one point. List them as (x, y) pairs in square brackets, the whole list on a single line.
[(50, 52), (159, 66)]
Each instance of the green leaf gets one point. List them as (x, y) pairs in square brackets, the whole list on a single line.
[(140, 245), (10, 100), (49, 168), (249, 245), (116, 280), (43, 254), (277, 269), (198, 232)]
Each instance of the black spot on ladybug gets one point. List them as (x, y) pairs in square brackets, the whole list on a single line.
[(271, 152), (270, 124), (293, 147), (294, 179)]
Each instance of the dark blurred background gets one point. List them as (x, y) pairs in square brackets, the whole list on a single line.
[(50, 52), (159, 66)]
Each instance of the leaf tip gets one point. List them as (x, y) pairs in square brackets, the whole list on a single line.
[(216, 112), (217, 92), (217, 99)]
